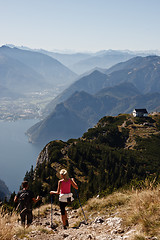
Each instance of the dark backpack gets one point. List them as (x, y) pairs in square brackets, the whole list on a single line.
[(25, 199)]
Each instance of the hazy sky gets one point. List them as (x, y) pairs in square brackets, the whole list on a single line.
[(81, 25)]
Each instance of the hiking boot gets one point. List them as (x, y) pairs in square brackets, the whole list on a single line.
[(67, 224)]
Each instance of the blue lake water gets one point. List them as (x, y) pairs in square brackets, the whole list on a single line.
[(17, 155)]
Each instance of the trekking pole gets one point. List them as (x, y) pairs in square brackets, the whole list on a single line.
[(51, 212), (39, 204), (38, 216), (81, 207)]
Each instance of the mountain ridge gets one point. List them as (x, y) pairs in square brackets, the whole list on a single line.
[(89, 108), (144, 77), (86, 83), (104, 59), (134, 85), (35, 70)]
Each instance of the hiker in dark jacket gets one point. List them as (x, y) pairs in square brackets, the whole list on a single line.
[(25, 198)]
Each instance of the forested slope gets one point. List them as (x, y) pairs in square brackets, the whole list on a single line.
[(118, 152)]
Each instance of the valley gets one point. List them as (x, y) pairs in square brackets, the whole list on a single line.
[(27, 107)]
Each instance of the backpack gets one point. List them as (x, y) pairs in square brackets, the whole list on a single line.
[(25, 199)]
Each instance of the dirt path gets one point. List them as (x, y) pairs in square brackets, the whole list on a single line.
[(98, 227)]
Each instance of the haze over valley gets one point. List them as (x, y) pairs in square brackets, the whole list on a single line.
[(119, 89), (28, 81), (31, 78)]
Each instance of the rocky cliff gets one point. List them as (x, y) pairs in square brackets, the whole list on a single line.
[(4, 191)]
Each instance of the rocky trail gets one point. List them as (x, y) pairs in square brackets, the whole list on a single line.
[(100, 227), (127, 215)]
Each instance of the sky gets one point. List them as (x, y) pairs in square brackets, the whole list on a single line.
[(81, 25)]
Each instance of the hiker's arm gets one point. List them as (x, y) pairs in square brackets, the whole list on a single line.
[(74, 184), (58, 189), (36, 199), (15, 199)]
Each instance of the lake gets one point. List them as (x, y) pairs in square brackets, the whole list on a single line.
[(17, 155)]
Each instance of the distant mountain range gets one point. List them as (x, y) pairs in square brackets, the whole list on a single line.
[(143, 72), (85, 62), (104, 91), (90, 83), (104, 59), (23, 71), (129, 85), (68, 59)]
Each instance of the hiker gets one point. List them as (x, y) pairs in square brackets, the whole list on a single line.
[(25, 198), (65, 195)]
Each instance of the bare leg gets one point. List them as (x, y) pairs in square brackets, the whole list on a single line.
[(64, 218)]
